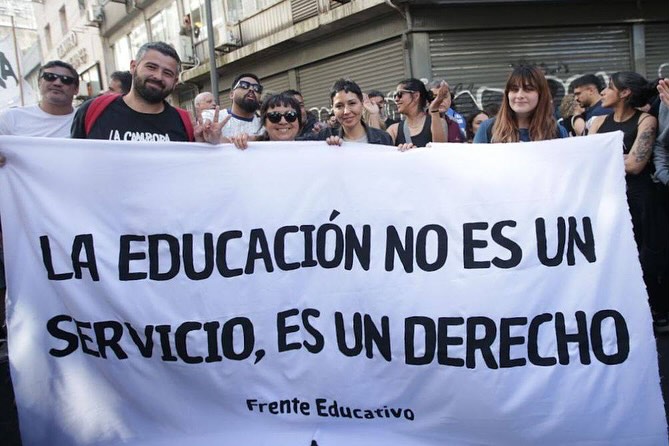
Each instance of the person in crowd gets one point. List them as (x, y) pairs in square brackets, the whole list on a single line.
[(332, 120), (587, 90), (245, 93), (418, 128), (204, 101), (120, 82), (572, 116), (281, 118), (143, 114), (526, 113), (52, 116), (377, 98), (491, 109), (625, 93), (310, 123), (661, 160), (448, 113), (474, 121), (346, 97)]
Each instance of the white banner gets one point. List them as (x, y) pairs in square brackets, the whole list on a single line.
[(173, 294)]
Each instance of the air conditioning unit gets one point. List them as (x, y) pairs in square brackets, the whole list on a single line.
[(227, 40), (95, 14)]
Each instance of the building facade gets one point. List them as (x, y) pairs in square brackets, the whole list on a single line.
[(307, 44), (70, 33)]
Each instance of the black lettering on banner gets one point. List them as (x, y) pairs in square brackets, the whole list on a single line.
[(483, 344), (221, 251), (283, 330), (85, 242), (145, 348), (125, 257), (469, 244), (404, 251), (506, 341), (112, 342), (444, 340), (84, 338), (180, 338), (319, 340), (54, 330), (227, 338), (154, 257), (622, 337), (258, 250), (429, 344), (321, 243), (580, 337), (375, 337), (48, 262), (6, 71), (441, 245), (505, 242), (308, 231), (280, 248), (340, 329), (533, 341), (567, 237), (211, 328), (189, 256), (360, 249), (164, 333)]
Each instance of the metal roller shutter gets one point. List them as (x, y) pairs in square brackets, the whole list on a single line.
[(377, 67), (303, 9), (477, 63), (657, 50)]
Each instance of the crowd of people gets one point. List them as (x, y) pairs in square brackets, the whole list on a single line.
[(136, 109)]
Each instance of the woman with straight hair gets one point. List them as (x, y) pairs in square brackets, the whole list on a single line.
[(347, 105), (626, 92), (421, 123), (526, 113)]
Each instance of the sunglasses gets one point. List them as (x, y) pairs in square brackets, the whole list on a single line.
[(249, 86), (275, 117), (398, 94), (51, 77)]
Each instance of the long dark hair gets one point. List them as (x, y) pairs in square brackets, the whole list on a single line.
[(426, 96), (641, 91)]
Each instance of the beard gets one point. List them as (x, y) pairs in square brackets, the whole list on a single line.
[(150, 94), (248, 104)]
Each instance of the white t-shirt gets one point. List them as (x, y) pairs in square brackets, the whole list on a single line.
[(236, 124), (33, 121)]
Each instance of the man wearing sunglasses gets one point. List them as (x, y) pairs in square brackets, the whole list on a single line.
[(245, 93), (52, 116)]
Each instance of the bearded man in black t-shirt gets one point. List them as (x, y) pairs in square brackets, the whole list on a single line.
[(143, 114)]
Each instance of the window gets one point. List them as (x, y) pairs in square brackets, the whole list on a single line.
[(199, 20), (122, 55), (138, 37), (47, 37), (63, 20), (165, 26), (241, 9)]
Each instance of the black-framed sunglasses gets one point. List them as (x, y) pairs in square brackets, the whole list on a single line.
[(51, 77), (398, 94), (275, 117), (249, 86)]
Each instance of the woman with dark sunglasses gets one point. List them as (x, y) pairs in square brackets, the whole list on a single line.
[(417, 127), (281, 118), (347, 105)]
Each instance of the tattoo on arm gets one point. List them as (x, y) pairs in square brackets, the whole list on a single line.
[(644, 145)]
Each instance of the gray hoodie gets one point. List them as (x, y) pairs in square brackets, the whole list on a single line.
[(661, 148)]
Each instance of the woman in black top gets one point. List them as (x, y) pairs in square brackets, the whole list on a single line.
[(417, 127), (625, 93)]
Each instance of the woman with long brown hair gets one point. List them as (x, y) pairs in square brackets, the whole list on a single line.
[(526, 113)]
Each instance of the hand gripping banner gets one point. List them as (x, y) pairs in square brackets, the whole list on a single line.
[(300, 294)]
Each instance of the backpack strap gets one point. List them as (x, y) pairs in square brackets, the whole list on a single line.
[(188, 124), (406, 131), (95, 109)]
